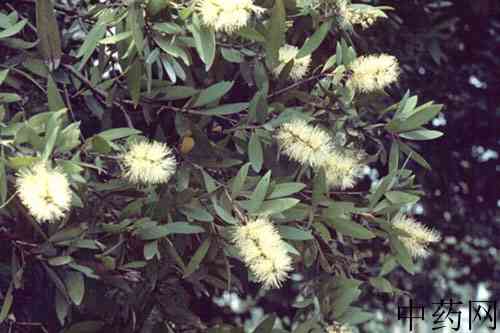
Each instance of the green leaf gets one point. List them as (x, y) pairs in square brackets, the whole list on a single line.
[(381, 284), (48, 33), (3, 75), (338, 53), (197, 258), (135, 23), (160, 231), (7, 303), (255, 153), (259, 193), (14, 29), (343, 297), (225, 109), (209, 182), (401, 197), (62, 307), (116, 38), (75, 284), (394, 158), (196, 213), (312, 43), (293, 233), (9, 98), (232, 55), (51, 132), (384, 186), (184, 228), (55, 99), (339, 209), (69, 138), (239, 180), (350, 228), (319, 187), (414, 121), (414, 155), (402, 254), (286, 189), (204, 39), (401, 105), (60, 261), (213, 93), (168, 27), (134, 76), (408, 107), (56, 280), (90, 43), (355, 316), (223, 214), (329, 63), (151, 250), (257, 108), (275, 37), (179, 92), (118, 133), (172, 49), (388, 265), (266, 325), (152, 233), (3, 182), (276, 206), (251, 34), (421, 135), (66, 234), (100, 145)]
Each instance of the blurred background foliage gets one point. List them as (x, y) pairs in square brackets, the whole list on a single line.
[(448, 51)]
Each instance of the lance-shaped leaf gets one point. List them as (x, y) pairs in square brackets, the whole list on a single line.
[(276, 33), (48, 33)]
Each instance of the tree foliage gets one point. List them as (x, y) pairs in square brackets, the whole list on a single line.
[(83, 83)]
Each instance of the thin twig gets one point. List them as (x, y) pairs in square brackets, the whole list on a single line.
[(296, 84)]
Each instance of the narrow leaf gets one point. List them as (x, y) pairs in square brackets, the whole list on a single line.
[(75, 284), (255, 153), (197, 258), (259, 193), (48, 33), (350, 228), (213, 93), (293, 233), (276, 33), (312, 43)]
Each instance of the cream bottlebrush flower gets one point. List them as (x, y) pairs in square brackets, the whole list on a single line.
[(306, 144), (342, 170), (326, 7), (338, 328), (263, 251), (149, 163), (364, 16), (300, 65), (419, 236), (373, 72), (44, 191), (227, 15)]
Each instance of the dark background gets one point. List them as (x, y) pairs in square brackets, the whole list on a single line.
[(450, 53)]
